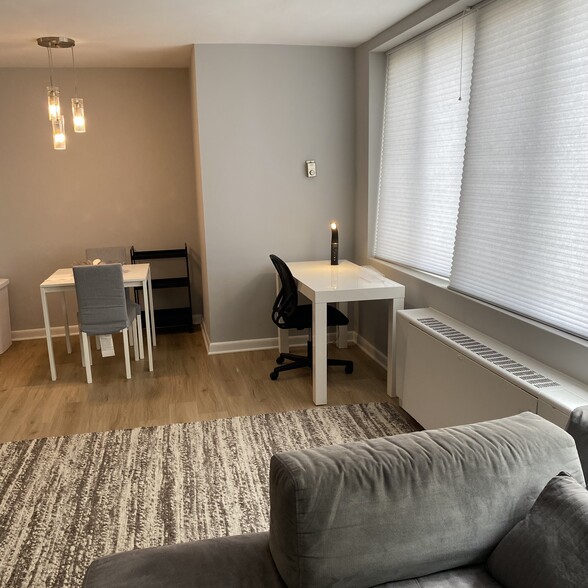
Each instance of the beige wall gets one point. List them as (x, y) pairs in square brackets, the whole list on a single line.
[(128, 181)]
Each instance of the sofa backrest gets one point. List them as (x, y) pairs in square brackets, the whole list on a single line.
[(399, 507)]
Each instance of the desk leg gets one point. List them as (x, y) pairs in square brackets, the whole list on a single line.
[(148, 324), (48, 335), (319, 353), (283, 334), (66, 322), (151, 309), (342, 331), (394, 305)]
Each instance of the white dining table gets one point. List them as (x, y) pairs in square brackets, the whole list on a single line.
[(62, 280), (323, 283)]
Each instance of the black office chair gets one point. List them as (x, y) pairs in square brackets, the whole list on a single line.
[(288, 314)]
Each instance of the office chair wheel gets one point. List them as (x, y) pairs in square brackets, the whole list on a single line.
[(280, 360), (348, 369), (274, 375)]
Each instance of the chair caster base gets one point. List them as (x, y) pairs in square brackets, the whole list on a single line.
[(274, 375)]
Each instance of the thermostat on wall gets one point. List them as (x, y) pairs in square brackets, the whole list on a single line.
[(311, 169)]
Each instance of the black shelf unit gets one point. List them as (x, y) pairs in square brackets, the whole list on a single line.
[(169, 319)]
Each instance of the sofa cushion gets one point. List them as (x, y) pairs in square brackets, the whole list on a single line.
[(242, 561), (468, 577), (407, 506), (549, 546)]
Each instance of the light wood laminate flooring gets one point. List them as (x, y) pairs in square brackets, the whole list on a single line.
[(186, 385)]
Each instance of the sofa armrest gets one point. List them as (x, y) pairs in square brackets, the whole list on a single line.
[(577, 427), (400, 507), (227, 562)]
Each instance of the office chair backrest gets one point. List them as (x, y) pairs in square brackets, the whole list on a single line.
[(287, 299), (102, 307)]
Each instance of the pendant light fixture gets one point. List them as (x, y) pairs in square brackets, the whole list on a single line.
[(77, 104)]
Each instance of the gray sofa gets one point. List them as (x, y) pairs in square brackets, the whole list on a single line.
[(433, 509)]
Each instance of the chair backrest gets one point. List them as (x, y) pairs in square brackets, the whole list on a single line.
[(287, 299), (102, 307), (108, 254)]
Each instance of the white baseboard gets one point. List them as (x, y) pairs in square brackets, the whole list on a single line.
[(205, 336), (26, 334), (371, 351), (257, 344), (224, 346)]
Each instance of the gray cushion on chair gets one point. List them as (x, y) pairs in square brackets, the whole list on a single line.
[(103, 307), (227, 562), (410, 505), (549, 546)]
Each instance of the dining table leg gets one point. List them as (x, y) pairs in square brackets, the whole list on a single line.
[(151, 308), (48, 335), (148, 324), (319, 353), (66, 322)]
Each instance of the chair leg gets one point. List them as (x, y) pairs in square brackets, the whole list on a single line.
[(127, 358), (86, 351), (135, 332), (97, 342), (140, 336), (89, 349)]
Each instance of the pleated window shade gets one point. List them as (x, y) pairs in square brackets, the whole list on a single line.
[(520, 238), (423, 148), (522, 231)]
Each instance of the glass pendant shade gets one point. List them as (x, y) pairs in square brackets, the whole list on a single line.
[(53, 102), (58, 133), (79, 120)]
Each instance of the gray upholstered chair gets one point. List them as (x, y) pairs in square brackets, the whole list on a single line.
[(108, 254), (119, 254), (104, 309)]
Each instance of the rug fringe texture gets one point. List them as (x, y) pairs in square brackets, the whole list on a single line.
[(64, 501)]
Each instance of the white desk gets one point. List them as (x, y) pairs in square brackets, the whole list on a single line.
[(322, 283), (134, 275)]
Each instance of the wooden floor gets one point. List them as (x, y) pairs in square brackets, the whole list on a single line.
[(186, 385)]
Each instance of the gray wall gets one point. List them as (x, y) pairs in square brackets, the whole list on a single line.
[(263, 111), (558, 350), (128, 180)]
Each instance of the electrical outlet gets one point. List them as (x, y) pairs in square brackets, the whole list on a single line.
[(311, 169)]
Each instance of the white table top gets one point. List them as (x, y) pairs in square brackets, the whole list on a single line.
[(132, 274), (322, 282)]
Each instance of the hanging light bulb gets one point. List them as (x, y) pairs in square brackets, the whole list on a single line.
[(79, 121), (77, 104), (58, 126), (53, 102)]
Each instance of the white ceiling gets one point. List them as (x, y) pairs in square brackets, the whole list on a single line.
[(159, 33)]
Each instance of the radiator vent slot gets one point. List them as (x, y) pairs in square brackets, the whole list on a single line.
[(496, 358)]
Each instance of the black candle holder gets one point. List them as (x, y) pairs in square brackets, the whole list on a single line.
[(334, 244)]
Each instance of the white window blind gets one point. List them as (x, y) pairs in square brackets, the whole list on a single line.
[(423, 147), (522, 231)]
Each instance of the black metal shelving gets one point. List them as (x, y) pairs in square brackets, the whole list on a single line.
[(169, 319)]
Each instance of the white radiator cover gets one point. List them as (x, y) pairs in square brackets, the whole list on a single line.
[(450, 374)]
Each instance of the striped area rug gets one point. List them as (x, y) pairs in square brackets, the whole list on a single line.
[(65, 501)]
